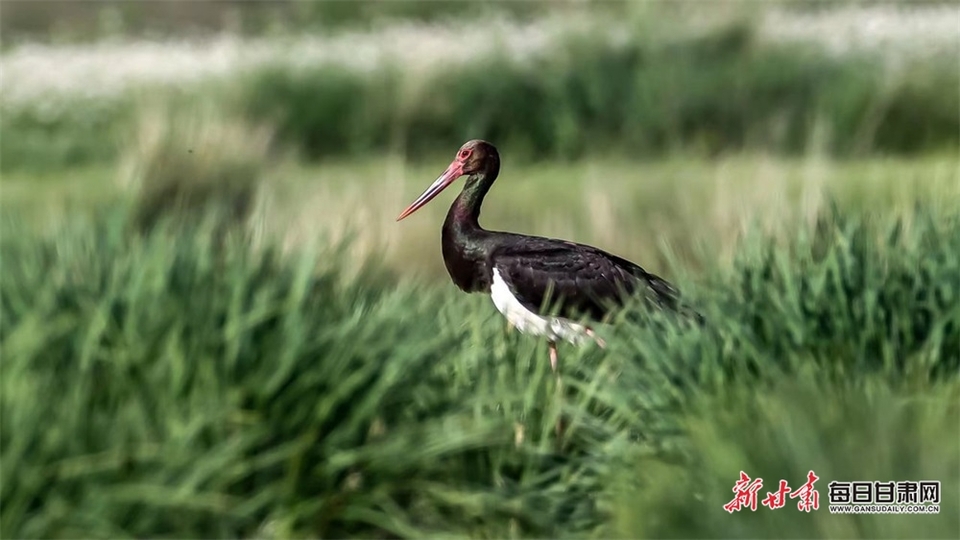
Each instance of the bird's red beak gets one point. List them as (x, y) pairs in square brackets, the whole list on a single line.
[(454, 171)]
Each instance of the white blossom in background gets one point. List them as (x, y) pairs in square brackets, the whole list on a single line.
[(34, 74), (29, 72), (890, 30)]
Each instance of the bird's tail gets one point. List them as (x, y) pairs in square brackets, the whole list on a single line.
[(663, 296)]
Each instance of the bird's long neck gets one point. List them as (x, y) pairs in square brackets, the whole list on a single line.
[(464, 214), (465, 244)]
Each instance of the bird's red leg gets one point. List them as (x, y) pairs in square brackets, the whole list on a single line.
[(600, 342), (560, 427)]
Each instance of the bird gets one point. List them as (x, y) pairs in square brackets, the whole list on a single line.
[(542, 286)]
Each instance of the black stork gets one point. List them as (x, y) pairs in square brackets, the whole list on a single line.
[(522, 272)]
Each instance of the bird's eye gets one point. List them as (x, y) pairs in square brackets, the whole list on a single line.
[(464, 154)]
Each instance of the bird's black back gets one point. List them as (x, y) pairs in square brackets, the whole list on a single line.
[(580, 280)]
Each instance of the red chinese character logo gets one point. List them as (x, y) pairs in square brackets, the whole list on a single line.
[(746, 494), (777, 499), (809, 497)]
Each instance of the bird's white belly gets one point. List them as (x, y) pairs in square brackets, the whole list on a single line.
[(528, 322)]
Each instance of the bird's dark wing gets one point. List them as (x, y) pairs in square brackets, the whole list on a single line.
[(582, 279)]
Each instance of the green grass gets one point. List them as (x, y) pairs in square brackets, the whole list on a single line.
[(166, 385), (311, 372), (58, 135), (322, 378), (673, 215)]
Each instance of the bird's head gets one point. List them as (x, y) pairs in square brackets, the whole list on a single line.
[(473, 158)]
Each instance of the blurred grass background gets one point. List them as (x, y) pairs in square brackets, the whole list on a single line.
[(211, 325)]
